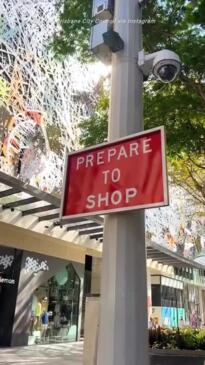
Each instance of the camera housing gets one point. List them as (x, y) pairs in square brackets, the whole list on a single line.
[(165, 65)]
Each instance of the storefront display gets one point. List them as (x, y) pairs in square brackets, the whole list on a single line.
[(173, 317), (168, 301), (39, 298), (55, 309)]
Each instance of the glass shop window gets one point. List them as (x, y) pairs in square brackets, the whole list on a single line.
[(55, 308)]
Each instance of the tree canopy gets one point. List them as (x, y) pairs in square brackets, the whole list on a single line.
[(75, 24), (180, 106)]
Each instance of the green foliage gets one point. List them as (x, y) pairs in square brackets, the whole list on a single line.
[(187, 339), (75, 24), (94, 130), (161, 339), (54, 137), (200, 337), (179, 106), (189, 172), (181, 110), (183, 339)]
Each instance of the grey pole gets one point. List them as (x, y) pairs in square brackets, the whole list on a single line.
[(123, 337)]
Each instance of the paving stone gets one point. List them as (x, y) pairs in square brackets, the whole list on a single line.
[(62, 354)]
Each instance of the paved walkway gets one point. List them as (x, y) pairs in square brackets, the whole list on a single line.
[(63, 354)]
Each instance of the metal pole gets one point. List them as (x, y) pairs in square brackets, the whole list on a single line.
[(123, 338)]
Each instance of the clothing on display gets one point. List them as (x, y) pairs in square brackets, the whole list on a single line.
[(44, 318), (55, 308), (38, 309)]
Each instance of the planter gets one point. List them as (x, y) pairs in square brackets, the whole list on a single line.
[(177, 357)]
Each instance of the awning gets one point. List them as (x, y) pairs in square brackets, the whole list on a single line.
[(26, 200), (165, 256)]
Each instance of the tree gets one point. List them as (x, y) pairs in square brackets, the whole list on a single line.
[(94, 129), (180, 106), (75, 24), (189, 173)]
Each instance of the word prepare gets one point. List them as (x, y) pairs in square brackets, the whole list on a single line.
[(106, 156)]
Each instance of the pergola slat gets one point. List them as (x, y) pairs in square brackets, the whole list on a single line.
[(96, 235), (48, 217), (9, 192), (91, 230), (69, 221), (22, 187), (44, 208), (19, 203), (80, 226)]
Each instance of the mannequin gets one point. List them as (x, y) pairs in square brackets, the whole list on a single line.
[(44, 322), (38, 311)]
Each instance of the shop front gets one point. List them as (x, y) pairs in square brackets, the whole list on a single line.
[(40, 297), (177, 303), (168, 302)]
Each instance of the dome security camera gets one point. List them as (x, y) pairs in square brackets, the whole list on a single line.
[(165, 65)]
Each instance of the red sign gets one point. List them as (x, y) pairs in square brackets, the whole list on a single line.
[(123, 175)]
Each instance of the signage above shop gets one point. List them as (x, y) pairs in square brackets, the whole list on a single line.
[(35, 266), (120, 176), (7, 281), (6, 261)]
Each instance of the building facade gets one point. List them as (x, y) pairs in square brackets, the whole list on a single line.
[(176, 295)]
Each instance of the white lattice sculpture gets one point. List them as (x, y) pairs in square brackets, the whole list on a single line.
[(32, 79)]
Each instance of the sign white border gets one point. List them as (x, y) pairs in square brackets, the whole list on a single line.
[(119, 210)]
